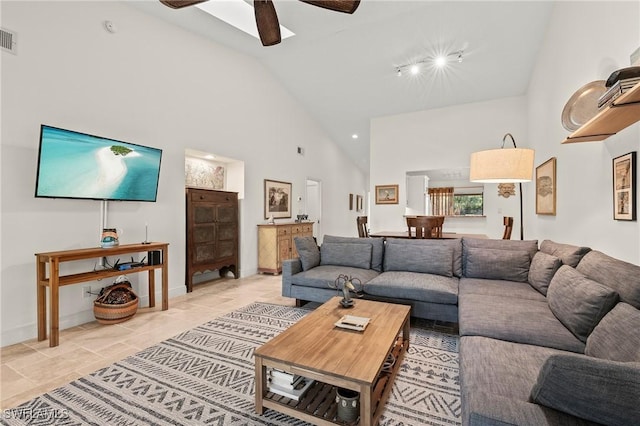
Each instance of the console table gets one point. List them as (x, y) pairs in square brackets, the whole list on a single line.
[(55, 280)]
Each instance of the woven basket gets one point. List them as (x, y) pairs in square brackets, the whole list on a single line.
[(113, 313)]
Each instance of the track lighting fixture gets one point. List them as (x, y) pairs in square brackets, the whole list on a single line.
[(439, 61)]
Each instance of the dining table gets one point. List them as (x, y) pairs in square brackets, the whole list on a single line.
[(405, 234)]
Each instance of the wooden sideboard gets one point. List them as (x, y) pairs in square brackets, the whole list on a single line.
[(212, 233), (54, 280), (275, 244)]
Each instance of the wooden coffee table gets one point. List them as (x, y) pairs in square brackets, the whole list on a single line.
[(334, 357)]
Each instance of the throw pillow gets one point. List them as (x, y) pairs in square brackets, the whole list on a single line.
[(430, 259), (530, 246), (497, 264), (578, 302), (308, 252), (543, 268), (614, 273), (598, 390), (345, 254), (617, 336), (569, 254), (454, 243), (377, 247)]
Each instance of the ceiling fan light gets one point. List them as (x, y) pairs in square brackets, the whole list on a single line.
[(415, 69), (440, 61)]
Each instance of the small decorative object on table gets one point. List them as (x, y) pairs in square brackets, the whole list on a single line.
[(109, 238), (347, 284), (353, 323)]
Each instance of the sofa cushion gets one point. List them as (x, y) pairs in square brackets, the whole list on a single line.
[(543, 268), (308, 252), (414, 286), (498, 288), (346, 254), (454, 243), (617, 336), (602, 391), (578, 302), (496, 378), (621, 276), (567, 253), (497, 264), (515, 320), (429, 259), (323, 275), (530, 246), (377, 247)]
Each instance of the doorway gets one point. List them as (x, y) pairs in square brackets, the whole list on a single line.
[(314, 206)]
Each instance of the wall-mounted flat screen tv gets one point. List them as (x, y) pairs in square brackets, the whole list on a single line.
[(78, 165)]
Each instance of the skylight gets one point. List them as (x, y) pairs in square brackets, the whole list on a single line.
[(239, 14)]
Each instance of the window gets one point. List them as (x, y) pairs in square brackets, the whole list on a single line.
[(468, 204)]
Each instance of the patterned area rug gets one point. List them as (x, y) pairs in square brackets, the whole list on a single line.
[(205, 376)]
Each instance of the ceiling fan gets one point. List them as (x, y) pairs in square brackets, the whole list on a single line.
[(266, 17)]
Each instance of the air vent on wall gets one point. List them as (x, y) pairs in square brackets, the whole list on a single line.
[(8, 41)]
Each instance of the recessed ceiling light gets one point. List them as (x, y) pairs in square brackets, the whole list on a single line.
[(239, 14), (354, 136)]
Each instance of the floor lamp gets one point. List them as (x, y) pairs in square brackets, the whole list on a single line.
[(503, 166)]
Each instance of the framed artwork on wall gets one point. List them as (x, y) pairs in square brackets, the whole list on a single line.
[(350, 201), (624, 191), (359, 203), (277, 199), (386, 194), (546, 187)]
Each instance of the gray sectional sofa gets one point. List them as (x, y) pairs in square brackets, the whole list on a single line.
[(549, 335)]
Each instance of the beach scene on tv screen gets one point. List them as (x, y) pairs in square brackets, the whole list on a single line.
[(76, 165)]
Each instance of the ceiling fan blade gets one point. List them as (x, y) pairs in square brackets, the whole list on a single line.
[(267, 21), (179, 4), (345, 6)]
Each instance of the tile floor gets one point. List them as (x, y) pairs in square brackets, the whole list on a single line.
[(31, 368)]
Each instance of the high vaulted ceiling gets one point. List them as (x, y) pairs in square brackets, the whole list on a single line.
[(342, 68)]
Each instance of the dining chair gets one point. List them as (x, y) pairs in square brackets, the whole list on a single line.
[(508, 227), (425, 226), (363, 232), (436, 223)]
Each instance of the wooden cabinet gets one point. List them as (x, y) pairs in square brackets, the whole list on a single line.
[(212, 233), (275, 244), (610, 120)]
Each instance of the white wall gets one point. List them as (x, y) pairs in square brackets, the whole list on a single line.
[(444, 139), (151, 84), (585, 41)]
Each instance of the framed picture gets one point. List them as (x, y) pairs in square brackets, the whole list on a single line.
[(546, 187), (350, 201), (386, 194), (277, 199), (359, 203), (624, 191)]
